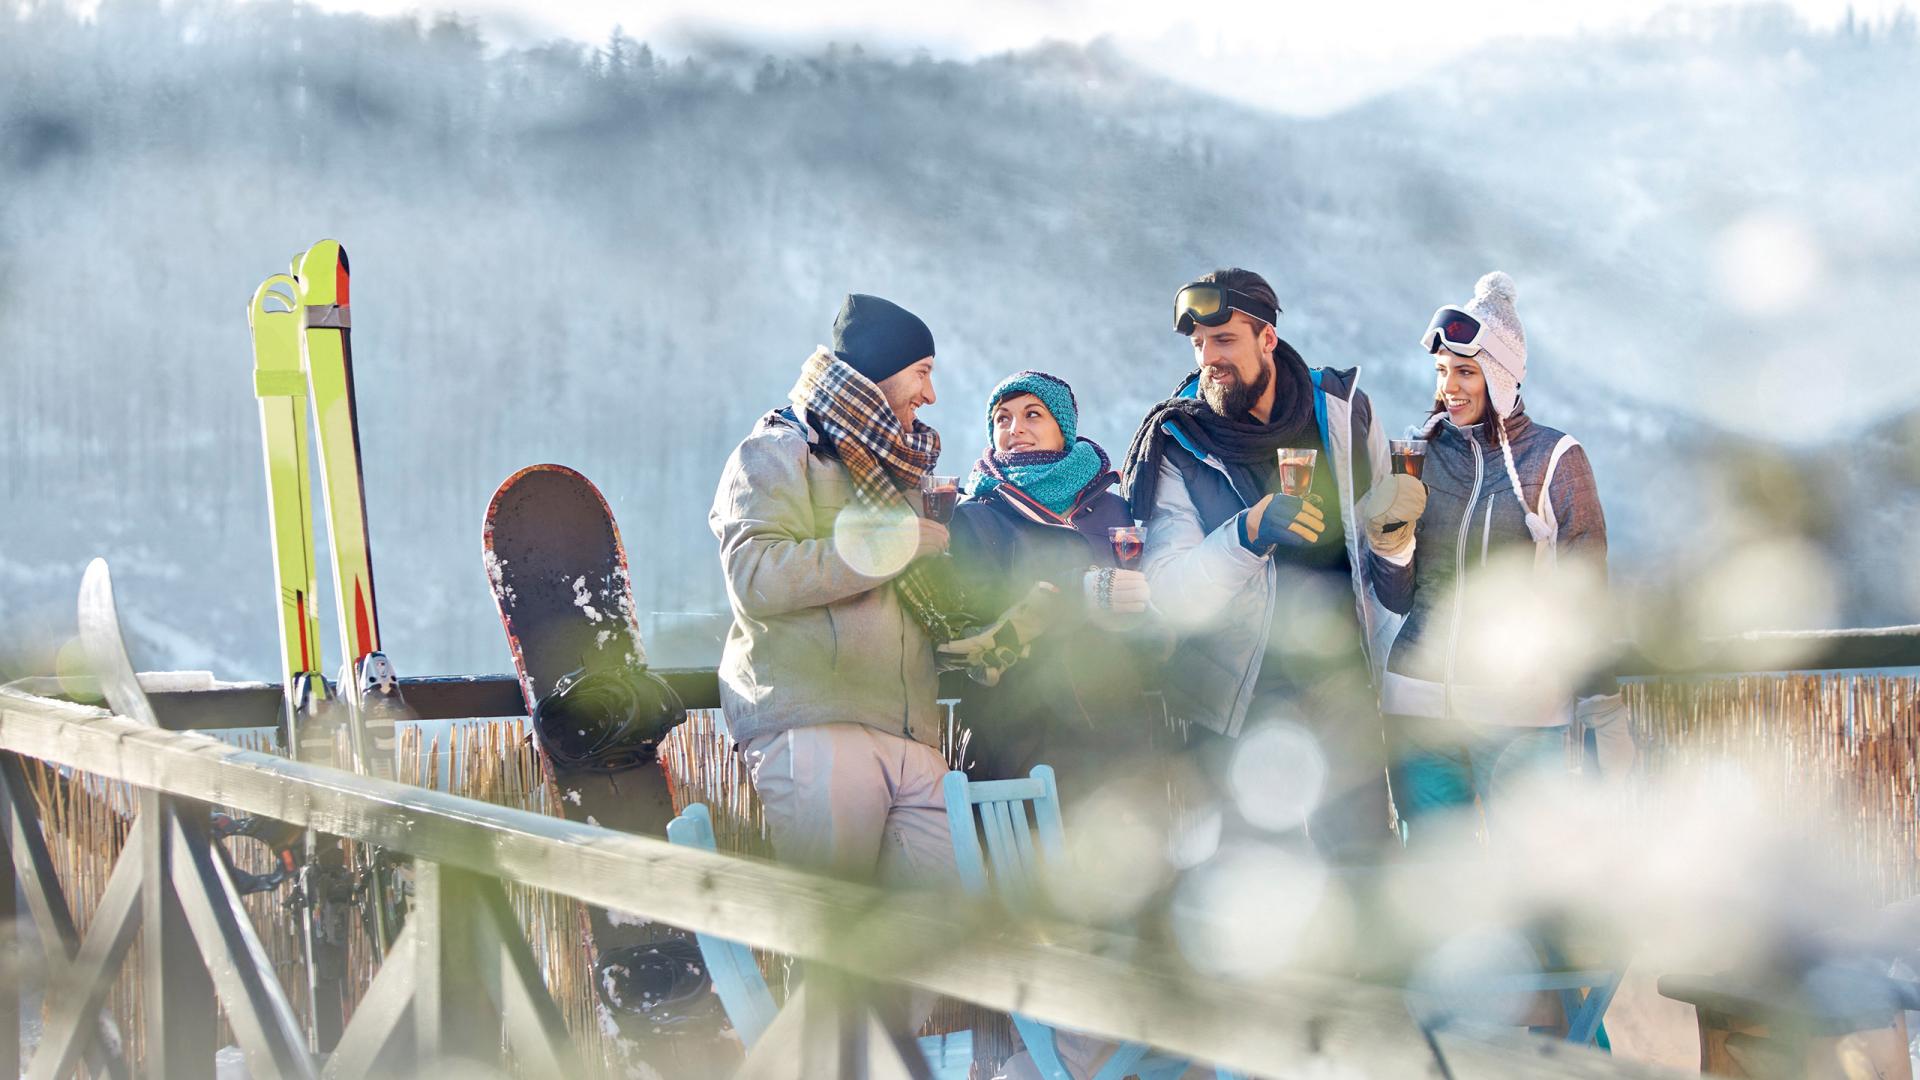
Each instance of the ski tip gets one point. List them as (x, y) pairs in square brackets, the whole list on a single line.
[(322, 270), (280, 288), (97, 582), (106, 648)]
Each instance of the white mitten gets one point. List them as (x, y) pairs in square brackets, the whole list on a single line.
[(1390, 511)]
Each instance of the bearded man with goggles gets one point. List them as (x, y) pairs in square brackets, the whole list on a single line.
[(1270, 592)]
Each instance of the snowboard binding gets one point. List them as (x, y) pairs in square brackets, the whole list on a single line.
[(663, 982), (606, 720), (287, 842)]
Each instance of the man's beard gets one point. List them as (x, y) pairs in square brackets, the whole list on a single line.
[(1235, 400)]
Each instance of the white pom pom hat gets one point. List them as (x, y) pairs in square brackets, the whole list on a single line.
[(1503, 361), (1503, 346)]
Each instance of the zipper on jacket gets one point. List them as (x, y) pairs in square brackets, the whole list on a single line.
[(1460, 568), (1243, 700), (1486, 534), (906, 690)]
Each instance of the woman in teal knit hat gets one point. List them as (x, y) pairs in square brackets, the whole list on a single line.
[(1040, 502)]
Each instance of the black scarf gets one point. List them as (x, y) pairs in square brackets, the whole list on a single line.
[(1241, 441)]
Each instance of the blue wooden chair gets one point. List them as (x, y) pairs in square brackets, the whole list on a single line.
[(1584, 996), (743, 989), (736, 975), (992, 827)]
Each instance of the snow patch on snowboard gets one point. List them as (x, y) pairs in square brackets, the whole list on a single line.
[(497, 576), (583, 599)]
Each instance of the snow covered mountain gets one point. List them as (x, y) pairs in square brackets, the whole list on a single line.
[(590, 256)]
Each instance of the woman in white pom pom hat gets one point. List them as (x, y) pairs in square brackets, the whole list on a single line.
[(1495, 555)]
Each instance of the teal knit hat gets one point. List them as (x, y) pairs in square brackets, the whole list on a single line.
[(1052, 391)]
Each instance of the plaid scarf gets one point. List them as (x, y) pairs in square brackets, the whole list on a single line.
[(885, 460)]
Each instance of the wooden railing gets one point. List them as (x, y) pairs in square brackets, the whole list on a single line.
[(462, 970), (462, 981)]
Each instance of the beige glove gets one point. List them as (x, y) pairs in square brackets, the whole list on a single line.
[(1390, 511), (987, 654)]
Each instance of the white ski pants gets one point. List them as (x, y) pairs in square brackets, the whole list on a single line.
[(855, 801)]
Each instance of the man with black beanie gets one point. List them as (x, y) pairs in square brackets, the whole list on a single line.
[(828, 677), (1269, 591)]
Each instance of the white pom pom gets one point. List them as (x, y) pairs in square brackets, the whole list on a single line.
[(1495, 284)]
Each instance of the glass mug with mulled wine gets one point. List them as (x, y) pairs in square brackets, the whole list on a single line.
[(1409, 456), (938, 495), (1129, 542), (1296, 471)]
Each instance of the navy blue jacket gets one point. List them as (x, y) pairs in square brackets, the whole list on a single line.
[(1080, 693), (1224, 599)]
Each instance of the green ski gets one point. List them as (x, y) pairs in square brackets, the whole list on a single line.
[(281, 386), (368, 686), (325, 894)]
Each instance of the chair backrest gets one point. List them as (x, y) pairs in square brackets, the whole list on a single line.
[(1004, 836), (735, 973)]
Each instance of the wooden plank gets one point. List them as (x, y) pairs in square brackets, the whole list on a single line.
[(455, 697), (1487, 1056), (454, 979), (430, 697), (39, 881), (10, 954), (535, 1029), (383, 1015), (176, 991), (1058, 973), (1762, 652), (256, 1005), (52, 915), (74, 998)]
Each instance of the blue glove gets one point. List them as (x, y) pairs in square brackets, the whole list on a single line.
[(1282, 520)]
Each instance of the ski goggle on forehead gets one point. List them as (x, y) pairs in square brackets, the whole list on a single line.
[(1212, 305), (1460, 332)]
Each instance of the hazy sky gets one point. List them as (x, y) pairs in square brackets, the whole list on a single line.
[(1295, 57)]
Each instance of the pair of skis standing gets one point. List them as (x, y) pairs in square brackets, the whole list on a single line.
[(558, 572), (303, 358)]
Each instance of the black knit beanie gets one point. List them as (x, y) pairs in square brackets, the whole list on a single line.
[(878, 337)]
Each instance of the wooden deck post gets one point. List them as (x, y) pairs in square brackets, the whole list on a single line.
[(453, 1013), (12, 956), (177, 991)]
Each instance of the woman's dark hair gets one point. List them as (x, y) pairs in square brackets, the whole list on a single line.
[(1489, 431), (1490, 428)]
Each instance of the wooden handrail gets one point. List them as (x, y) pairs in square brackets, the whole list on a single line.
[(458, 697), (1059, 973)]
